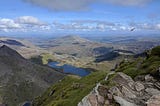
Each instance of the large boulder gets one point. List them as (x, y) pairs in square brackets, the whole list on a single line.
[(148, 78), (152, 91), (139, 86), (123, 80)]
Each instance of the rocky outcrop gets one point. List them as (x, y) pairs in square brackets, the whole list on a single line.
[(93, 99), (123, 102), (142, 91), (154, 100)]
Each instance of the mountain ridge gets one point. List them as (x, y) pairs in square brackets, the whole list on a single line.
[(22, 80)]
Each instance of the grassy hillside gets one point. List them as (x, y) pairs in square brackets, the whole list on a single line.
[(69, 91), (140, 66), (42, 58)]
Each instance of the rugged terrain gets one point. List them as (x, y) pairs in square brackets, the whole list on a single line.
[(133, 83), (80, 52), (22, 80), (135, 44)]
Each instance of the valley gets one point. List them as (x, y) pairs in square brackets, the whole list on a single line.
[(55, 70), (79, 53)]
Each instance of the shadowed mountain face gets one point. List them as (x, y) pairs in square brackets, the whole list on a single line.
[(25, 48), (12, 42), (21, 80), (6, 51), (107, 57)]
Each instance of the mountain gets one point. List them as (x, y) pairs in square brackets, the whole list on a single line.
[(76, 46), (133, 82), (25, 48), (71, 39), (22, 80)]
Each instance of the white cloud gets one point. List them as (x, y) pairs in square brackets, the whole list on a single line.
[(30, 23), (123, 28), (158, 26), (95, 25), (29, 20), (24, 23), (61, 5), (76, 5), (9, 23), (85, 25), (145, 26), (128, 2)]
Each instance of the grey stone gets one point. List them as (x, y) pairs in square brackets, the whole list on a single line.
[(148, 78), (139, 86), (152, 91), (123, 102), (127, 93), (84, 102), (115, 91)]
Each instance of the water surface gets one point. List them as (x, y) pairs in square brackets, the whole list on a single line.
[(69, 69)]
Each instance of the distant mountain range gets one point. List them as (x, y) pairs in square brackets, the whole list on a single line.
[(22, 80)]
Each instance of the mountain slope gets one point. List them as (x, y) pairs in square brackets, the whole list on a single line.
[(77, 46), (21, 80), (25, 48), (133, 83), (69, 91)]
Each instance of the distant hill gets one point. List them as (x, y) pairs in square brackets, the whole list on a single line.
[(22, 80), (72, 39), (77, 46), (25, 48)]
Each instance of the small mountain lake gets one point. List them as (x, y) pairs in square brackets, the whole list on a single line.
[(27, 104), (69, 69)]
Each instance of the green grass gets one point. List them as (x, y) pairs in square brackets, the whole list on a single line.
[(142, 66), (69, 91), (46, 57), (156, 51), (109, 83), (42, 59)]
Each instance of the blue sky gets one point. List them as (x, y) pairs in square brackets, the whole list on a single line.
[(47, 17)]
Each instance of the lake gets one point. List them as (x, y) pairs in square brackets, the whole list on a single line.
[(27, 104), (69, 69)]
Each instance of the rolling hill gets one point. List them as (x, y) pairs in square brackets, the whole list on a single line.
[(76, 46)]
